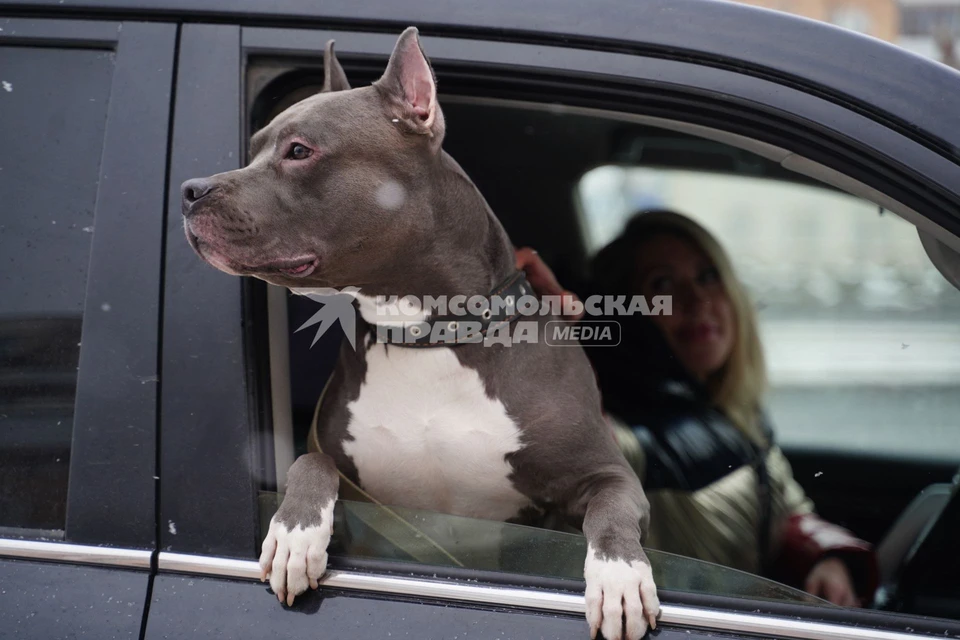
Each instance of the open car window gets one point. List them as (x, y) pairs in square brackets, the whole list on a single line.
[(831, 275)]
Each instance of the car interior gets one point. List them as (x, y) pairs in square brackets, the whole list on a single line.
[(530, 162)]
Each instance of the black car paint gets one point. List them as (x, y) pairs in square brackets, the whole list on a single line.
[(202, 331), (229, 609), (105, 507), (114, 448), (810, 54), (236, 610), (54, 602)]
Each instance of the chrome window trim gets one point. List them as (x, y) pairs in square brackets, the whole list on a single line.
[(673, 615), (74, 553)]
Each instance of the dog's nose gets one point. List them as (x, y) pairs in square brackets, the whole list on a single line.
[(194, 190)]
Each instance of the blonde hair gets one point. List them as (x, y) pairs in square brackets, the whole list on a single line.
[(737, 388)]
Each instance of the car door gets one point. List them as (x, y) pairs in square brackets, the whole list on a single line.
[(229, 403), (84, 108)]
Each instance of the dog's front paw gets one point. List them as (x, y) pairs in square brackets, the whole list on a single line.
[(621, 597), (294, 556)]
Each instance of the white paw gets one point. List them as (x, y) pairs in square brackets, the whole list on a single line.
[(293, 559), (618, 589)]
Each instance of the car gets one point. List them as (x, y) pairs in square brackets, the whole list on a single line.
[(150, 405)]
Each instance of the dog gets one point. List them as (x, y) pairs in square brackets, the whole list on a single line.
[(485, 431)]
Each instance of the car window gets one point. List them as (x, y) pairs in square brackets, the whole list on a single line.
[(828, 272), (49, 170), (858, 327)]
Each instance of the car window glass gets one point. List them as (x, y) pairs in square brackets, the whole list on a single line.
[(364, 530), (49, 167)]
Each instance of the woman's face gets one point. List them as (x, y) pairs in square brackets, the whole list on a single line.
[(701, 329)]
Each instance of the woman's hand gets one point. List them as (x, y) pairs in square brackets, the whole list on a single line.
[(830, 579), (542, 280)]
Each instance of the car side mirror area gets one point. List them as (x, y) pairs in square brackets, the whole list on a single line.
[(944, 257), (916, 556), (902, 537)]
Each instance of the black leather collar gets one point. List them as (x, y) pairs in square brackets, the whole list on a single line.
[(452, 330)]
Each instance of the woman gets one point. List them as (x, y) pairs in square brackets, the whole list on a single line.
[(685, 393)]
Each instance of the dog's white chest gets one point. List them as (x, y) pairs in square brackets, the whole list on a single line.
[(425, 435)]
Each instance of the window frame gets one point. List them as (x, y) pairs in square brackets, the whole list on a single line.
[(205, 399), (774, 45), (114, 429), (202, 305)]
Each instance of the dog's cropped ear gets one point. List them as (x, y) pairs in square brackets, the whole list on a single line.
[(410, 88), (334, 79)]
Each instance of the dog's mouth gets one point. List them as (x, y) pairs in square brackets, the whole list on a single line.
[(299, 267)]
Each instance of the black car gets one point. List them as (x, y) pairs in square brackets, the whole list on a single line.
[(150, 405)]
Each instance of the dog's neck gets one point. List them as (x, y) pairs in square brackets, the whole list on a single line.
[(468, 252), (474, 233)]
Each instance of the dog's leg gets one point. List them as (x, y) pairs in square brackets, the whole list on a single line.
[(621, 596), (294, 553)]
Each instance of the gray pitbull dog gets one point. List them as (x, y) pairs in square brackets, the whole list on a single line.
[(350, 187)]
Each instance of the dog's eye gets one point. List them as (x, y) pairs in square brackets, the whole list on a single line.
[(298, 152)]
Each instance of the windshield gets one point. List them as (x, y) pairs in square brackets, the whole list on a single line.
[(364, 530)]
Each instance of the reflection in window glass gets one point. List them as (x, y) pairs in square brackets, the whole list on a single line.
[(365, 530), (929, 28), (48, 186), (853, 18), (859, 328)]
